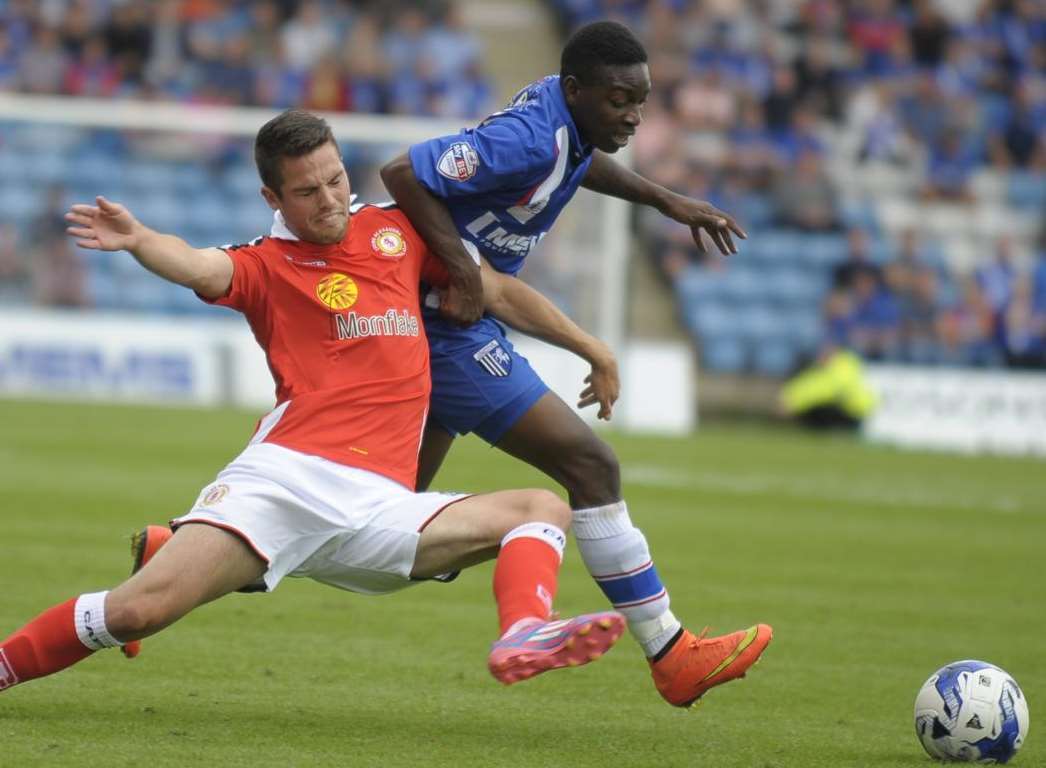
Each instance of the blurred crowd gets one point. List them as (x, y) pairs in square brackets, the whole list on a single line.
[(887, 157), (413, 58), (786, 112)]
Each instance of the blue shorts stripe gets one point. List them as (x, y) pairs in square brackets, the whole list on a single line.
[(634, 588)]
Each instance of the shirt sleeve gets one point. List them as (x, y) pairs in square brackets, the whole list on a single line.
[(248, 277), (495, 156)]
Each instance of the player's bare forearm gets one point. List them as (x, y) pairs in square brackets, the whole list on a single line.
[(208, 271), (528, 311), (109, 226), (517, 304), (432, 220), (609, 177)]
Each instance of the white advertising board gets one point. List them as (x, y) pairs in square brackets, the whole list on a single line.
[(93, 357), (960, 410), (214, 362)]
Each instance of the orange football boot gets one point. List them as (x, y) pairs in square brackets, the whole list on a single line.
[(697, 663), (144, 545)]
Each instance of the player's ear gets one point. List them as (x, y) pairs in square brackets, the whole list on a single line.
[(571, 89), (271, 198)]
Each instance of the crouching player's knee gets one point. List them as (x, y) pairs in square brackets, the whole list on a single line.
[(546, 507), (134, 616)]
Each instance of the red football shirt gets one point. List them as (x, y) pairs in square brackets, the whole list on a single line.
[(341, 329)]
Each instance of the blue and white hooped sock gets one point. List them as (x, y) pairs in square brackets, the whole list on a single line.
[(616, 554)]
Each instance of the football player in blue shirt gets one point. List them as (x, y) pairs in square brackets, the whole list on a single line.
[(494, 191)]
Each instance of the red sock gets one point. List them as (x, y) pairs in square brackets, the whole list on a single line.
[(44, 646), (525, 578)]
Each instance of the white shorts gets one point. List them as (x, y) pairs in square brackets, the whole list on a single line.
[(309, 517)]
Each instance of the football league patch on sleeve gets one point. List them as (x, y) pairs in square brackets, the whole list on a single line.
[(494, 359), (459, 162)]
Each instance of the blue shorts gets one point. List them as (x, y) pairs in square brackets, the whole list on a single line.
[(479, 382)]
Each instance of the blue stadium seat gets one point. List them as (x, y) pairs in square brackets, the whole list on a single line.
[(45, 168), (709, 319), (761, 322), (148, 177), (756, 213), (22, 203), (189, 178), (774, 358), (158, 210), (805, 327), (96, 171), (823, 250), (776, 246), (1027, 189), (723, 355), (250, 219), (696, 284), (243, 181), (796, 286), (741, 284), (860, 214)]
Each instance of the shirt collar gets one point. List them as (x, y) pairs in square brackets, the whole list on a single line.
[(279, 228)]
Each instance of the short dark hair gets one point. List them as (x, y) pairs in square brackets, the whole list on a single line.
[(600, 44), (291, 133)]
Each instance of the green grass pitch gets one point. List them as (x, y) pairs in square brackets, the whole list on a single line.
[(874, 566)]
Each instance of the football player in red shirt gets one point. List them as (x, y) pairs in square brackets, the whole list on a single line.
[(325, 487)]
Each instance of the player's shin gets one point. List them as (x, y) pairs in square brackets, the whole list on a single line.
[(57, 638), (527, 572), (616, 554)]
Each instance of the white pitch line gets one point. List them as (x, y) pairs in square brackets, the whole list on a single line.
[(752, 484)]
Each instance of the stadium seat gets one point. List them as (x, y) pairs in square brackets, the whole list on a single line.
[(861, 214), (243, 181), (1027, 190), (796, 286), (148, 177), (805, 327), (723, 355), (697, 284), (774, 358), (761, 322), (96, 171), (778, 246), (45, 168), (710, 319), (822, 250), (741, 284), (21, 203)]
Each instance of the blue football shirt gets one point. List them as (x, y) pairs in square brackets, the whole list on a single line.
[(506, 181)]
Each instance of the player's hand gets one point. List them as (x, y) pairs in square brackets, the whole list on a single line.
[(106, 226), (699, 215), (462, 301), (603, 385)]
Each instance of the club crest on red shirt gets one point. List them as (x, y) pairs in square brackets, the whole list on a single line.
[(389, 243)]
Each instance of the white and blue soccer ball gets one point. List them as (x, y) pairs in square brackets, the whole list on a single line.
[(971, 711)]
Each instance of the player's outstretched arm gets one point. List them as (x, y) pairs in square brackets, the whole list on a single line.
[(517, 304), (608, 177), (463, 299), (109, 226)]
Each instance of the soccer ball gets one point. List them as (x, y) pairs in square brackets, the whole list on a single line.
[(971, 711)]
